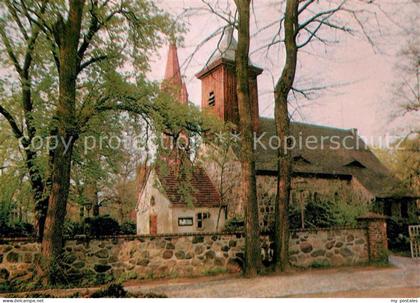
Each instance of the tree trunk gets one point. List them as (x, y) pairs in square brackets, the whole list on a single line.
[(67, 36), (248, 178), (38, 195), (283, 87)]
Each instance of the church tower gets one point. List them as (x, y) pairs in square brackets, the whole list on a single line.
[(218, 82), (175, 86)]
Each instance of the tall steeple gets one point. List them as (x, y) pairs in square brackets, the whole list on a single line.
[(173, 79), (174, 85)]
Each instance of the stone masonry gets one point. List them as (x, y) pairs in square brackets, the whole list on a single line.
[(328, 247), (185, 255)]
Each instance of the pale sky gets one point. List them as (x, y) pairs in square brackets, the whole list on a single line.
[(362, 103)]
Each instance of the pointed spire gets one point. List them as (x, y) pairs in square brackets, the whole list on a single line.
[(173, 78), (173, 72)]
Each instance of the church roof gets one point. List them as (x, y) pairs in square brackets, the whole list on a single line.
[(225, 53), (204, 193), (351, 157), (226, 48)]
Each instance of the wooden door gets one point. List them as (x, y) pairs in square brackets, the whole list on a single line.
[(153, 224)]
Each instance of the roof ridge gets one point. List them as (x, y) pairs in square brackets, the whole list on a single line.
[(312, 124)]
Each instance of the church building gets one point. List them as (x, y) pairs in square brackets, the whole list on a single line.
[(342, 168)]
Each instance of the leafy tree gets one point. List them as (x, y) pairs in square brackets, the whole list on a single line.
[(403, 159), (91, 46)]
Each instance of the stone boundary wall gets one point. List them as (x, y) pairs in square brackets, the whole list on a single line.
[(328, 247), (144, 257)]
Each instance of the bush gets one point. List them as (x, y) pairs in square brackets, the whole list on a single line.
[(234, 224), (112, 291), (322, 213), (317, 214), (128, 228), (72, 229), (98, 226), (101, 226), (398, 237), (20, 229)]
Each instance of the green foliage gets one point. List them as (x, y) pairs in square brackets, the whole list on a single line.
[(397, 231), (101, 226), (98, 226), (126, 276), (125, 37), (11, 228), (215, 271), (234, 224), (320, 264), (128, 228), (404, 162), (323, 213), (72, 229)]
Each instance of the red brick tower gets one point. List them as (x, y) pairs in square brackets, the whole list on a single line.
[(218, 82)]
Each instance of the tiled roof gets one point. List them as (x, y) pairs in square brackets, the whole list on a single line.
[(358, 162), (204, 193)]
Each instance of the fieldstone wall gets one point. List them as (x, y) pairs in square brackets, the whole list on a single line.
[(95, 261), (128, 257), (154, 257), (328, 247), (17, 260)]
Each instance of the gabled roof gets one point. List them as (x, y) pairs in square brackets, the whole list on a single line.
[(328, 158), (204, 193)]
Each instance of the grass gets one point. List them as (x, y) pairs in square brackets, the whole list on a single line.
[(215, 271), (320, 264)]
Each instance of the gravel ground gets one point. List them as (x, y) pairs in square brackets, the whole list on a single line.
[(400, 280)]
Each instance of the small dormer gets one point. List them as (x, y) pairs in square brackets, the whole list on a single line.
[(355, 163)]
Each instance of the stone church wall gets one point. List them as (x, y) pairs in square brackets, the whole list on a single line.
[(303, 190)]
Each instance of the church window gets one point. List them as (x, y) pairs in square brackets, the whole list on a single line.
[(212, 99)]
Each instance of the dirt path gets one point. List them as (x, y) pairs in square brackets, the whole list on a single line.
[(401, 280)]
